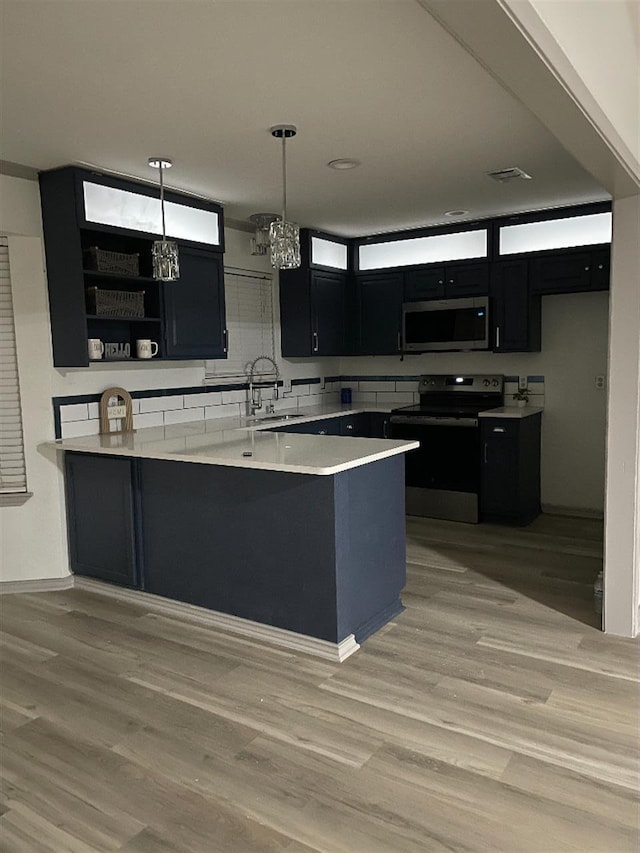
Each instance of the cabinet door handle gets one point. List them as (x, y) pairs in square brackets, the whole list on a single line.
[(498, 429), (600, 266), (349, 426), (399, 341), (451, 281), (441, 281), (485, 453), (225, 340), (497, 337), (315, 341), (385, 428), (586, 269), (322, 432)]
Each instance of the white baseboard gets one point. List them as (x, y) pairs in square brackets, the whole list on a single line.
[(45, 585), (572, 511), (336, 652)]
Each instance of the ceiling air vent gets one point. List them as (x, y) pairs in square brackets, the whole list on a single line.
[(504, 176)]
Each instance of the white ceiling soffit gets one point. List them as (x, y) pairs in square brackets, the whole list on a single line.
[(582, 82), (109, 83)]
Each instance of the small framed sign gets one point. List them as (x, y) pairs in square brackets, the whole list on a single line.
[(116, 408)]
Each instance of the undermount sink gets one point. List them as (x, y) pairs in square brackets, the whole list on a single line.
[(273, 418)]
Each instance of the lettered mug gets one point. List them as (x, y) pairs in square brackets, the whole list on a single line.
[(96, 349), (145, 348)]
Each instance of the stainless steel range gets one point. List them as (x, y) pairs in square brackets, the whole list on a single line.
[(443, 476)]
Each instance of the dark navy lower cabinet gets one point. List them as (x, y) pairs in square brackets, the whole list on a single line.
[(322, 556), (510, 481), (101, 518), (379, 425)]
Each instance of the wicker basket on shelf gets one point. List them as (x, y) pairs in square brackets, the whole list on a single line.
[(115, 303), (119, 263)]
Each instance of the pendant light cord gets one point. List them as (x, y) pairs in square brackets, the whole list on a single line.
[(284, 178), (162, 202)]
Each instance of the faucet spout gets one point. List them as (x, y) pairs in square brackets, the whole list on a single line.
[(254, 404)]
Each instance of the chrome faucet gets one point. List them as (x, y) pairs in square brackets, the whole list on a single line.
[(255, 402)]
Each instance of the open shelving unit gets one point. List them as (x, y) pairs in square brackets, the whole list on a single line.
[(186, 318)]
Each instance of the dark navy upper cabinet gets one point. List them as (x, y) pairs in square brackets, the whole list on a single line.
[(194, 308), (313, 313), (515, 313), (571, 272), (466, 280), (446, 282), (424, 284), (379, 300), (84, 211)]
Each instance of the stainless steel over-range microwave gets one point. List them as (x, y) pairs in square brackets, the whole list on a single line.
[(446, 324)]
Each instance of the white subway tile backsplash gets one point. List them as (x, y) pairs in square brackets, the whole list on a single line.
[(74, 412), (148, 419), (370, 385), (363, 397), (396, 397), (183, 416), (74, 429), (300, 390), (234, 396), (312, 400), (161, 404), (208, 398), (231, 410)]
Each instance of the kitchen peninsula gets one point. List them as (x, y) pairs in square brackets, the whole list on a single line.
[(301, 533)]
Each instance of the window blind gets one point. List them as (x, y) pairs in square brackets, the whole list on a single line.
[(249, 307), (12, 468)]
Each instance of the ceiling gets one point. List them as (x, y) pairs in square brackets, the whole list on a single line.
[(112, 82)]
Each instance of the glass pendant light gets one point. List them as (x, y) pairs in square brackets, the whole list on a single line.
[(284, 237), (164, 253), (260, 242)]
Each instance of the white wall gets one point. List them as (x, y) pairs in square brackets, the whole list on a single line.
[(33, 536), (574, 351), (622, 542)]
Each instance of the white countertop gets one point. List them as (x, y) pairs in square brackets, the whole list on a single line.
[(225, 441), (514, 412)]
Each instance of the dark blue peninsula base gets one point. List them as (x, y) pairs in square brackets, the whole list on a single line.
[(322, 556)]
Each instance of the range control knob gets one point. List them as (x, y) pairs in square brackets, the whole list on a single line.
[(495, 383), (485, 382)]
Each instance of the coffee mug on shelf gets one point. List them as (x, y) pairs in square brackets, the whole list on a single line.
[(96, 349), (145, 348)]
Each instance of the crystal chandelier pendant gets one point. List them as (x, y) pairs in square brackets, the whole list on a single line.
[(166, 265), (284, 238), (164, 253), (260, 241)]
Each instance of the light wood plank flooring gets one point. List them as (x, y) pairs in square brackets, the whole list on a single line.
[(492, 715)]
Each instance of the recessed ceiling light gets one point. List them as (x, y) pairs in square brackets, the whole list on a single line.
[(343, 164), (456, 212)]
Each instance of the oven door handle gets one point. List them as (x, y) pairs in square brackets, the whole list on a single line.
[(421, 420)]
